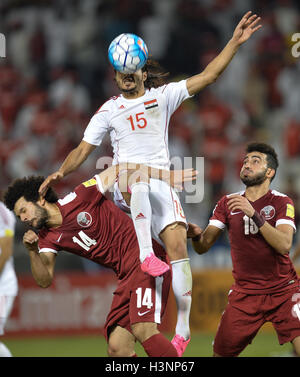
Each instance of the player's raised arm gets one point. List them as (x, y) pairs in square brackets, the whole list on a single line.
[(245, 28), (74, 159), (202, 241), (42, 264)]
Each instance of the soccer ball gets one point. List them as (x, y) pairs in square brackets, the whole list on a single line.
[(128, 53)]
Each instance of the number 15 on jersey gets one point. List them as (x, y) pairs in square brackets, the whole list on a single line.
[(137, 121)]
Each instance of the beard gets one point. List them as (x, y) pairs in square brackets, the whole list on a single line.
[(41, 217), (256, 180), (136, 80)]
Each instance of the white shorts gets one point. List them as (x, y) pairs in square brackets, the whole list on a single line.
[(6, 304), (165, 204)]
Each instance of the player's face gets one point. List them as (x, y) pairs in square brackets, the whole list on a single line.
[(131, 83), (254, 170), (31, 213)]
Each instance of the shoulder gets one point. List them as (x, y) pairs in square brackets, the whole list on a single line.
[(280, 198), (110, 104)]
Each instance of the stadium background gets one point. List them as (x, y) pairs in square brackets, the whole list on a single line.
[(55, 76)]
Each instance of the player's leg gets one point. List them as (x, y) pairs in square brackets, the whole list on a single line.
[(239, 324), (121, 343), (174, 239), (154, 342), (147, 307), (6, 304), (284, 315), (138, 185), (296, 345)]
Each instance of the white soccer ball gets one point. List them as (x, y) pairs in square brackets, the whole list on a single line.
[(128, 53)]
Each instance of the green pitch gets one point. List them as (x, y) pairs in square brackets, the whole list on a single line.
[(265, 344)]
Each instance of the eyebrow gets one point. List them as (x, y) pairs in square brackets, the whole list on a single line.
[(254, 156)]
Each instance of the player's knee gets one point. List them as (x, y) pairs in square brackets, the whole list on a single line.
[(114, 349), (296, 345)]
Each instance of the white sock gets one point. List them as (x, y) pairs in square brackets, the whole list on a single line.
[(4, 351), (141, 215), (182, 288)]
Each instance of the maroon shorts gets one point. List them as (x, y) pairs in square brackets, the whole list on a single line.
[(245, 314), (140, 298)]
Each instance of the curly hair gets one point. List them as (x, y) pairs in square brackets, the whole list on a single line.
[(28, 187), (156, 75)]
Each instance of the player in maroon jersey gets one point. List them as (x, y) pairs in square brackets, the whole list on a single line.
[(85, 223), (260, 222)]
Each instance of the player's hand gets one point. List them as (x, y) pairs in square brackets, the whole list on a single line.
[(193, 230), (49, 181), (178, 177), (30, 240), (240, 203), (246, 27)]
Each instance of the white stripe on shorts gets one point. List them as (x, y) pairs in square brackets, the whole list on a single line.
[(158, 297)]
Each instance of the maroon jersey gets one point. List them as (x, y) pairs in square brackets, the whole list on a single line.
[(257, 266), (94, 228)]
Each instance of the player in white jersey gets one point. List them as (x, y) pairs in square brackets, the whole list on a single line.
[(8, 279), (138, 124)]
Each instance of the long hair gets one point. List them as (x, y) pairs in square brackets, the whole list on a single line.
[(29, 188), (156, 75)]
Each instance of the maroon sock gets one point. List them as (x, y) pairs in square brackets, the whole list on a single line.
[(159, 346)]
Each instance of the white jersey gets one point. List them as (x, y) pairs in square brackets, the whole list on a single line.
[(8, 279), (138, 127)]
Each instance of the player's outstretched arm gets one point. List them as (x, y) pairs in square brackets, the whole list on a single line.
[(138, 172), (42, 264), (202, 241), (245, 28), (72, 162)]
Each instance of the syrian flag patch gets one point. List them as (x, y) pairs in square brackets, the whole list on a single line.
[(150, 104)]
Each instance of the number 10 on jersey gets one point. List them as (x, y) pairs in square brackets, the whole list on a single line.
[(137, 121)]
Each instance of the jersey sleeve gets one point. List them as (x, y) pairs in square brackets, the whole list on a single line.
[(285, 213), (219, 216), (176, 93), (97, 127), (90, 190), (45, 245)]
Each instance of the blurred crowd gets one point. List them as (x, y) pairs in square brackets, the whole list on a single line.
[(56, 74)]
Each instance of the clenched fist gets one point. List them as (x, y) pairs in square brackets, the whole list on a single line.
[(30, 240)]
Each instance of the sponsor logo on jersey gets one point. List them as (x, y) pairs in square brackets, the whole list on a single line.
[(140, 216), (122, 107), (235, 213), (143, 313), (268, 212), (150, 104), (84, 219), (59, 238), (290, 211), (90, 182)]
